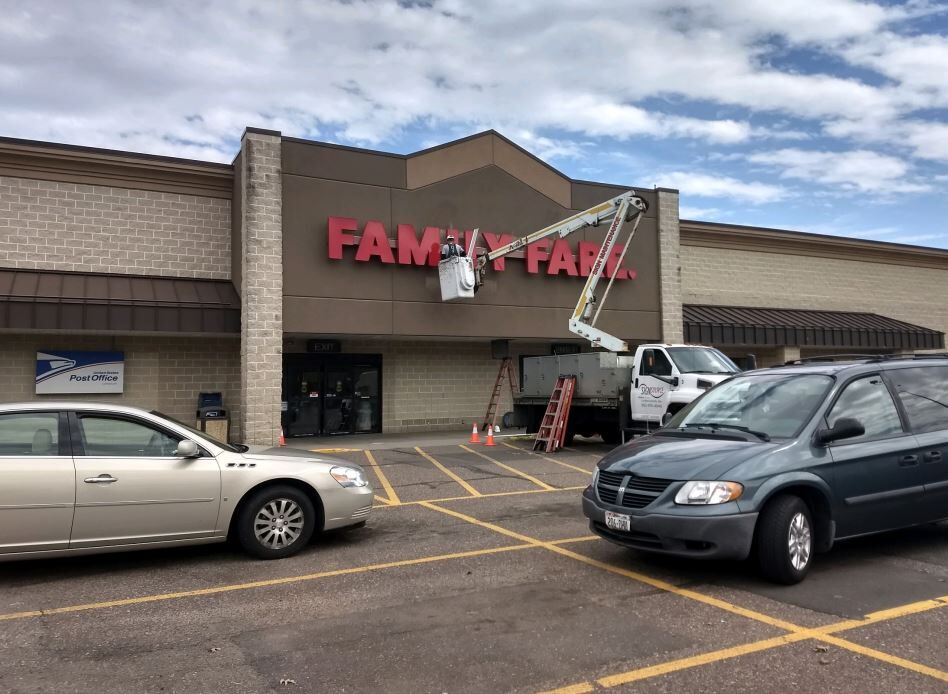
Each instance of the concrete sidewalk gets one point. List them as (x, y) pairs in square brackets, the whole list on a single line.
[(374, 442)]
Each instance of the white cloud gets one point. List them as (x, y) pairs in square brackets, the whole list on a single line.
[(929, 140), (917, 63), (132, 73), (857, 170), (722, 187), (706, 213)]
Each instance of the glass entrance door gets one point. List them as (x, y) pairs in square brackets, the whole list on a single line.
[(325, 395), (337, 416)]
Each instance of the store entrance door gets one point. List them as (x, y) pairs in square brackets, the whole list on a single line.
[(325, 395)]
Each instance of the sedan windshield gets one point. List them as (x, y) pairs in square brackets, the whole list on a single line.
[(767, 405), (691, 360)]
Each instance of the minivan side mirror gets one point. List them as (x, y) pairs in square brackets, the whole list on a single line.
[(666, 418), (187, 449), (845, 428)]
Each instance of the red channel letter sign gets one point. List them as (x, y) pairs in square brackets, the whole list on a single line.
[(374, 244)]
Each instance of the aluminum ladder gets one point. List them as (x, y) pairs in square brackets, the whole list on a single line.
[(505, 371), (552, 429)]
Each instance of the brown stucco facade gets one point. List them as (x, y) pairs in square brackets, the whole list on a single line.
[(473, 187), (296, 281)]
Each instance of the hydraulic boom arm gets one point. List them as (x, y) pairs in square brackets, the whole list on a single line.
[(627, 207)]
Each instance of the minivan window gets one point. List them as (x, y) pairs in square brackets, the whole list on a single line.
[(924, 395), (690, 360), (29, 433), (867, 400), (778, 405), (655, 363)]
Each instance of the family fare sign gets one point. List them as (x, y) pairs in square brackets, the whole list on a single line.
[(410, 248), (79, 372)]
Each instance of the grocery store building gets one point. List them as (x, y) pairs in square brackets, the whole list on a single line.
[(297, 283)]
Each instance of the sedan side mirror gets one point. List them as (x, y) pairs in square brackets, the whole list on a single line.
[(187, 449), (845, 428)]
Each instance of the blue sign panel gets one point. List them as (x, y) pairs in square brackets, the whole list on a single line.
[(66, 372)]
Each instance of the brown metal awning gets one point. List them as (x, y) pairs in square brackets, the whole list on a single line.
[(741, 325), (47, 300)]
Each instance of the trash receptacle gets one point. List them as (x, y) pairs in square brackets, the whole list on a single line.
[(212, 417)]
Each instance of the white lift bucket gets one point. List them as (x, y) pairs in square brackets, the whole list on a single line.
[(457, 278)]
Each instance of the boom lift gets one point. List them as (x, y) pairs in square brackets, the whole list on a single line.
[(461, 277), (611, 393)]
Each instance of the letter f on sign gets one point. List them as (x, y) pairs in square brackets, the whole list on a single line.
[(338, 238)]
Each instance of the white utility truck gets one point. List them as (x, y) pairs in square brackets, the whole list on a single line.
[(616, 392), (620, 395)]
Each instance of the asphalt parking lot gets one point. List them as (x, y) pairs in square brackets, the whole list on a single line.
[(476, 573)]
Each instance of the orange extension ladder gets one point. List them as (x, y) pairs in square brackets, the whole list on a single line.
[(552, 429), (505, 371)]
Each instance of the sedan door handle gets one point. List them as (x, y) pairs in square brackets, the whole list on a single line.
[(932, 457), (908, 460), (101, 479)]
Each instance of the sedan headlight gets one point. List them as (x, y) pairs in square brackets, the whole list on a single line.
[(704, 493), (348, 476)]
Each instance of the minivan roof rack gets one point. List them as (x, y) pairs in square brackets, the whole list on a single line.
[(923, 355), (830, 357), (868, 358)]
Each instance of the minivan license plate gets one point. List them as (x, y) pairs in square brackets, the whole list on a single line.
[(618, 521)]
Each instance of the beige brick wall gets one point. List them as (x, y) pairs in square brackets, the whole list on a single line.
[(670, 266), (748, 278), (67, 226), (438, 386), (162, 373), (261, 309)]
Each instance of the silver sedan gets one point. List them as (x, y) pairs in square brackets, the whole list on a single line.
[(78, 478)]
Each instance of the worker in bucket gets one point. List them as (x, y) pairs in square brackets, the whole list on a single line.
[(451, 249)]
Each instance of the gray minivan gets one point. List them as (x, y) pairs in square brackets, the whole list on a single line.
[(783, 462)]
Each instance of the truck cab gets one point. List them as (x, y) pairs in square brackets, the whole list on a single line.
[(667, 377)]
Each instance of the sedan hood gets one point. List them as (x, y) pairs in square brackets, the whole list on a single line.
[(293, 458), (674, 458)]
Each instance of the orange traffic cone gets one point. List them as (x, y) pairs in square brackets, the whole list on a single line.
[(282, 439), (490, 437), (475, 438)]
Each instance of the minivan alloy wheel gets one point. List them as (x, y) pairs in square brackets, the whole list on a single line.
[(800, 541), (278, 523)]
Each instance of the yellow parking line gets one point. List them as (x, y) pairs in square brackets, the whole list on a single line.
[(529, 478), (571, 540), (801, 633), (765, 644), (552, 460), (215, 590), (382, 500), (582, 688), (392, 496), (903, 610), (696, 660), (489, 495), (469, 488), (642, 578), (597, 456), (286, 580), (886, 657)]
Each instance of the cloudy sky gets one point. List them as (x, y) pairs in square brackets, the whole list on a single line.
[(828, 116)]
